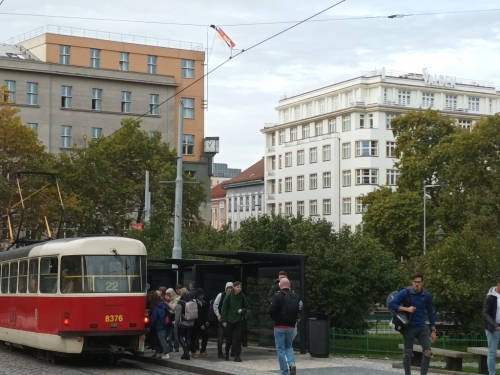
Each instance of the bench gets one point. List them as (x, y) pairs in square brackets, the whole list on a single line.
[(453, 357), (482, 352)]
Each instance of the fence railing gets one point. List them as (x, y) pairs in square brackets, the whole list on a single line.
[(385, 341)]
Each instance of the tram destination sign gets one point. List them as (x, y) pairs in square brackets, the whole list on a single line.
[(438, 80)]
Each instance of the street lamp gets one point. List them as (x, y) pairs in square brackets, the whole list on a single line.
[(425, 199), (440, 235)]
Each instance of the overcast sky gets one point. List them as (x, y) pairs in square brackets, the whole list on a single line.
[(244, 92)]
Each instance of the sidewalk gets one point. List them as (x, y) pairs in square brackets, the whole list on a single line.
[(263, 361)]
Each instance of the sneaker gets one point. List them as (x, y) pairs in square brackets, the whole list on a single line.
[(166, 356), (204, 354), (293, 370), (237, 359), (185, 356), (194, 355), (221, 356)]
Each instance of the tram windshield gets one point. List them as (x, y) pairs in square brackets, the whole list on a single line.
[(103, 274)]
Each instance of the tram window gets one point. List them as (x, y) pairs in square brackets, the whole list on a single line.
[(71, 274), (33, 276), (23, 277), (48, 275), (5, 278), (13, 277)]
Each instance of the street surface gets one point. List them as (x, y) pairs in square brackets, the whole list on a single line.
[(23, 363)]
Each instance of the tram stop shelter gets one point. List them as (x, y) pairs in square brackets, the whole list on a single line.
[(257, 272)]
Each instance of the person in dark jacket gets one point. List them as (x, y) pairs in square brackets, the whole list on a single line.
[(491, 318), (233, 315), (158, 322), (420, 303), (200, 329), (285, 317), (275, 288), (184, 327)]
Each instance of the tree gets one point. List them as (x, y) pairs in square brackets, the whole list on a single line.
[(108, 178)]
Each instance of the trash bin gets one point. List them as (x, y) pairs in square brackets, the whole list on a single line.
[(319, 336)]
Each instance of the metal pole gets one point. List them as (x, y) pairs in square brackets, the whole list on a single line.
[(425, 199), (177, 250), (147, 203)]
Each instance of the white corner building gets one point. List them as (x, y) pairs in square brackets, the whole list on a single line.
[(334, 143)]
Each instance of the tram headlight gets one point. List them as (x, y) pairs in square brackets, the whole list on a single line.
[(66, 318)]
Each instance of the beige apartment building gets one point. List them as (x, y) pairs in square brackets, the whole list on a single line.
[(73, 85)]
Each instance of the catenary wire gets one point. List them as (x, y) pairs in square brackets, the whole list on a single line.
[(242, 24), (232, 57)]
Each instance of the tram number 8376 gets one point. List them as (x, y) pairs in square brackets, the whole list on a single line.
[(113, 318)]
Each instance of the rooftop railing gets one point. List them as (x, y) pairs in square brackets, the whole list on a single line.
[(105, 35)]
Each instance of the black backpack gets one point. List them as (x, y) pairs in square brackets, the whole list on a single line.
[(291, 307), (212, 317), (400, 320)]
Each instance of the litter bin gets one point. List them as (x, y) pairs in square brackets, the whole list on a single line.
[(319, 336)]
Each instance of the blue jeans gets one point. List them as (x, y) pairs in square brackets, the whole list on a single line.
[(283, 338), (162, 336), (493, 338)]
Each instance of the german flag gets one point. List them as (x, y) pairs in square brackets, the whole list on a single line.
[(222, 35)]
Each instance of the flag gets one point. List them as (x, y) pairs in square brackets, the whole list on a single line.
[(222, 35)]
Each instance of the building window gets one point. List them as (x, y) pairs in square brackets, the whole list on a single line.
[(465, 124), (388, 119), (346, 178), (288, 184), (305, 131), (151, 134), (124, 56), (273, 139), (247, 204), (427, 100), (253, 203), (327, 153), (229, 205), (366, 176), (300, 183), (286, 115), (366, 148), (327, 206), (97, 99), (346, 150), (327, 179), (154, 100), (359, 205), (95, 58), (313, 155), (280, 161), (293, 134), (273, 163), (280, 208), (319, 128), (361, 121), (300, 157), (346, 206), (451, 102), (32, 97), (32, 126), (126, 101), (404, 97), (280, 186), (473, 104), (348, 99), (187, 144), (66, 96), (187, 69), (370, 116), (313, 181), (288, 159), (346, 123), (282, 137), (313, 207), (65, 136), (152, 64), (297, 112), (392, 177), (321, 107), (11, 86), (188, 107), (96, 133), (335, 103), (332, 126), (300, 208), (309, 109), (64, 52), (288, 209), (390, 146), (241, 205)]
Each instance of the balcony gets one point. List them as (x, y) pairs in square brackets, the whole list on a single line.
[(270, 197), (271, 149), (270, 173)]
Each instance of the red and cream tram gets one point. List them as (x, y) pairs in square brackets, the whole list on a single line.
[(75, 296)]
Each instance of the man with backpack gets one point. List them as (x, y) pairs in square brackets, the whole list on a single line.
[(415, 301), (216, 307)]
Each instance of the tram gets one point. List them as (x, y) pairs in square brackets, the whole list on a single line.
[(75, 296)]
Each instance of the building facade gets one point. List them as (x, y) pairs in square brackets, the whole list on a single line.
[(218, 206), (244, 194), (221, 173), (79, 84), (334, 143)]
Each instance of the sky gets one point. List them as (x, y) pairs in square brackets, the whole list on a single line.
[(244, 92)]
